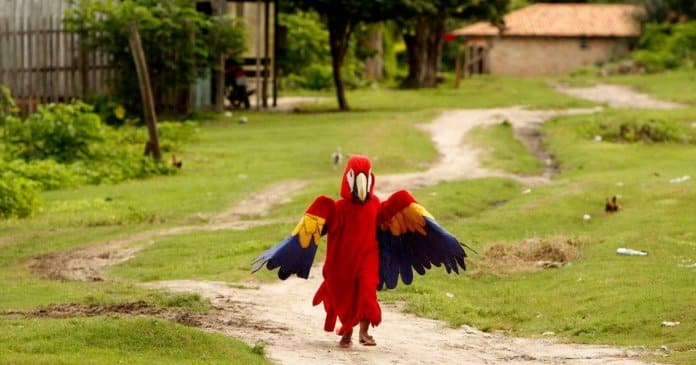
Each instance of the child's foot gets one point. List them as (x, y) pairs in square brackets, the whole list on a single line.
[(346, 340), (367, 340)]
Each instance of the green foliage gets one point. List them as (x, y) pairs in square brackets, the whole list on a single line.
[(47, 174), (179, 42), (7, 104), (666, 46), (113, 165), (18, 196), (305, 44), (630, 130), (65, 145), (305, 59), (669, 10), (313, 77), (63, 132)]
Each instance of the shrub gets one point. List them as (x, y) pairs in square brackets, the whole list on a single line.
[(7, 104), (666, 46), (316, 77), (113, 165), (19, 197), (648, 131), (47, 174), (63, 132)]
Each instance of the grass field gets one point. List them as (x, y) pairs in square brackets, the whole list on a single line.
[(600, 298)]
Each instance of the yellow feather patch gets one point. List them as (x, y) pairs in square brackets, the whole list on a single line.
[(310, 226), (409, 219)]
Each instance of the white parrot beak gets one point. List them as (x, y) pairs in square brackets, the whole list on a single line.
[(361, 186)]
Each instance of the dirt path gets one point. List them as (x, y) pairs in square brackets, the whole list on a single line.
[(459, 160), (280, 314), (88, 263), (281, 317), (616, 96)]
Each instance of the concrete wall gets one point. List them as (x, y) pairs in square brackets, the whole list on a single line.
[(549, 56)]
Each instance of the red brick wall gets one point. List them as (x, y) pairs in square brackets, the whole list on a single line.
[(550, 56)]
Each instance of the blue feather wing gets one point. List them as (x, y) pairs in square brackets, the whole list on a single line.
[(401, 254), (289, 257)]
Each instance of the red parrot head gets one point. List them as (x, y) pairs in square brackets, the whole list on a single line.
[(358, 180)]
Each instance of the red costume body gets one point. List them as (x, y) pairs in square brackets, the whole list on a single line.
[(370, 244), (351, 268)]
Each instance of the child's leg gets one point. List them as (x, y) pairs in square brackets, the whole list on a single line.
[(346, 339), (366, 339)]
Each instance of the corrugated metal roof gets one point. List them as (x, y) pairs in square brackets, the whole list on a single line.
[(564, 20)]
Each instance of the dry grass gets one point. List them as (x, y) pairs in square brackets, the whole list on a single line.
[(532, 254)]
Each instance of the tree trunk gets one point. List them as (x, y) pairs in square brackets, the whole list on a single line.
[(339, 35), (424, 48), (374, 63)]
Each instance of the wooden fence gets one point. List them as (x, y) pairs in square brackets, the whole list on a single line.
[(42, 63)]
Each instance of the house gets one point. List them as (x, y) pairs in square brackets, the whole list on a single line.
[(551, 39)]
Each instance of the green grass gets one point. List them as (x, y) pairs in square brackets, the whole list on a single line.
[(102, 340), (600, 298), (502, 151)]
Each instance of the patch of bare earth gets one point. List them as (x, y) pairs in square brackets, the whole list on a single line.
[(459, 160), (139, 308), (280, 316), (616, 96), (532, 254)]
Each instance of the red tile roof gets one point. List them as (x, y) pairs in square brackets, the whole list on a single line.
[(564, 20)]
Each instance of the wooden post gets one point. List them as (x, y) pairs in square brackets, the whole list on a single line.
[(458, 68), (152, 146)]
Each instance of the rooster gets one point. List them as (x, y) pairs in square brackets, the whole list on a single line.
[(176, 163)]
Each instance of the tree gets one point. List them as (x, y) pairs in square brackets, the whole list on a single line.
[(423, 23), (179, 42), (671, 11), (341, 18)]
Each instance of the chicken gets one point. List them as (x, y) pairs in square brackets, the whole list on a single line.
[(176, 163), (336, 157), (611, 206)]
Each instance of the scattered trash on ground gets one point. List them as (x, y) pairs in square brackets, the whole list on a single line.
[(243, 120), (598, 138), (670, 323), (678, 180), (586, 217), (548, 333), (526, 191), (689, 266), (630, 252), (449, 295), (228, 114)]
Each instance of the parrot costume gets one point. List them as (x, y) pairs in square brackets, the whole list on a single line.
[(369, 245)]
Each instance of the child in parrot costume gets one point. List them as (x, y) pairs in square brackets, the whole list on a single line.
[(369, 245)]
